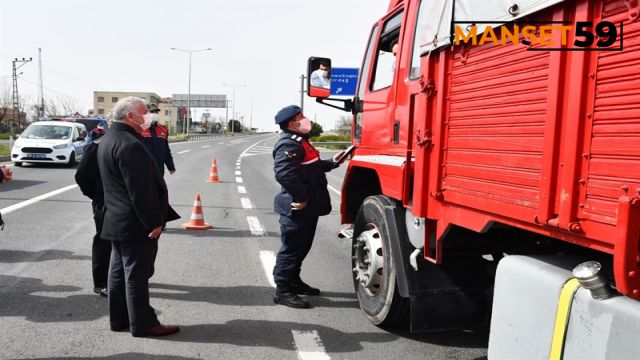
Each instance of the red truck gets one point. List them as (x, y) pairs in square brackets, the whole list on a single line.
[(476, 148)]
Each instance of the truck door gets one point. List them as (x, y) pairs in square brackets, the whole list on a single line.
[(376, 125)]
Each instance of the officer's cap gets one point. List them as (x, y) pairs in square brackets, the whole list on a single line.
[(287, 113), (152, 107)]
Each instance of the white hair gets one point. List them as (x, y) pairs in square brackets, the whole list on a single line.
[(124, 106)]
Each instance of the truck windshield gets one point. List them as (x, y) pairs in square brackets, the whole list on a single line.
[(49, 132)]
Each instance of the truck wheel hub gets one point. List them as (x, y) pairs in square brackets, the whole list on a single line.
[(368, 260)]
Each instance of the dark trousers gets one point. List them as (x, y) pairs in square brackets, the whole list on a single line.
[(100, 254), (131, 267), (296, 235)]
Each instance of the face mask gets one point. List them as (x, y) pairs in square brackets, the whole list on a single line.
[(154, 117), (324, 73), (148, 119), (305, 125)]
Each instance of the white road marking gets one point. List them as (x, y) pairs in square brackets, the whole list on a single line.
[(334, 190), (183, 151), (244, 153), (246, 203), (34, 200), (220, 143), (206, 146), (238, 173), (242, 190), (239, 180), (268, 260), (309, 346)]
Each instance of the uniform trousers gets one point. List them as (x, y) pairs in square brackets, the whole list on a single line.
[(296, 235), (132, 264)]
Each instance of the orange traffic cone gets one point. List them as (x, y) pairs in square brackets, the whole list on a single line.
[(213, 175), (197, 218)]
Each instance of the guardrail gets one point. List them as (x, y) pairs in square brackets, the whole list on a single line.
[(340, 144)]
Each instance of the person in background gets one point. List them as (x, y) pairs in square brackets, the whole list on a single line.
[(88, 179), (156, 139), (97, 132), (5, 175)]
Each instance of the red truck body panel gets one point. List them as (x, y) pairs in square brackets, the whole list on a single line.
[(546, 141)]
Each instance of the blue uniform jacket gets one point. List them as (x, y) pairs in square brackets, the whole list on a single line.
[(301, 173)]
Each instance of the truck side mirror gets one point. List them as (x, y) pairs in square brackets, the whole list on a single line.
[(319, 77)]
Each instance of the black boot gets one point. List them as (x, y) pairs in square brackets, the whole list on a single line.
[(301, 288), (285, 296)]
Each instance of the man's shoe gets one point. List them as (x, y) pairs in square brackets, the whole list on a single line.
[(285, 296), (301, 288), (100, 291), (158, 330)]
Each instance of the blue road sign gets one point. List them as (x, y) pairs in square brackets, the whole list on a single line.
[(344, 81)]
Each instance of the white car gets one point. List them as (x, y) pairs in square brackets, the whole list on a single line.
[(50, 142)]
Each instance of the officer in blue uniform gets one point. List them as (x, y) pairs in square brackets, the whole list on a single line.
[(303, 198)]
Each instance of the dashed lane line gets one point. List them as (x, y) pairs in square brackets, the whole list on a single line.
[(246, 203), (206, 146), (238, 173), (242, 190), (34, 200), (268, 260), (309, 346), (239, 180), (334, 190), (183, 151)]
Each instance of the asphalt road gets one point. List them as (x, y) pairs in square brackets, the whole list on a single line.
[(215, 284)]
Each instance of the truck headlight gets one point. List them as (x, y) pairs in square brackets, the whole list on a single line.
[(62, 146)]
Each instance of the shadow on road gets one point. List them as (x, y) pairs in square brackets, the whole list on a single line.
[(243, 295), (455, 339), (17, 299), (275, 334), (125, 356), (217, 233), (17, 184), (18, 256)]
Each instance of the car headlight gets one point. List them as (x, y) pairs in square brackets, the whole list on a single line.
[(62, 146), (17, 147)]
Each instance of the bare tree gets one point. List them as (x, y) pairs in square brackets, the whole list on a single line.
[(5, 99), (343, 125), (68, 105)]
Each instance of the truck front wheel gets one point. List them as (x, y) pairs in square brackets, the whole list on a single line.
[(374, 273)]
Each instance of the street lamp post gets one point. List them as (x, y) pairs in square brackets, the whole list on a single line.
[(233, 111), (251, 112), (186, 122)]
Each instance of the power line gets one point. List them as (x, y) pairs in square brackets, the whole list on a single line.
[(54, 91)]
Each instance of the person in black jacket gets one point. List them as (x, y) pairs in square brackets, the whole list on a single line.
[(5, 175), (136, 209), (88, 178), (303, 198)]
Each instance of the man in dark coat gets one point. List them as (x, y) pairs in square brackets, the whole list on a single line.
[(303, 198), (135, 212), (88, 178), (156, 139)]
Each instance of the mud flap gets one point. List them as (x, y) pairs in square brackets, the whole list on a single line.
[(448, 296)]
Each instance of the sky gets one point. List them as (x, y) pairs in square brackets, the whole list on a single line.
[(118, 45)]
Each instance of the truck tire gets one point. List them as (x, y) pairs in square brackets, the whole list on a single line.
[(374, 273), (72, 160)]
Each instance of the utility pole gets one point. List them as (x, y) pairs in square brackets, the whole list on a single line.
[(16, 99), (251, 112), (233, 112), (302, 77), (40, 86)]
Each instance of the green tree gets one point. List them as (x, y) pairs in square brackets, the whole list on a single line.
[(235, 126), (316, 129)]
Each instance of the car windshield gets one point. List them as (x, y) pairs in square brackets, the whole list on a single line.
[(52, 132)]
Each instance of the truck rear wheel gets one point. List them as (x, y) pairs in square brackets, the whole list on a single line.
[(374, 273)]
